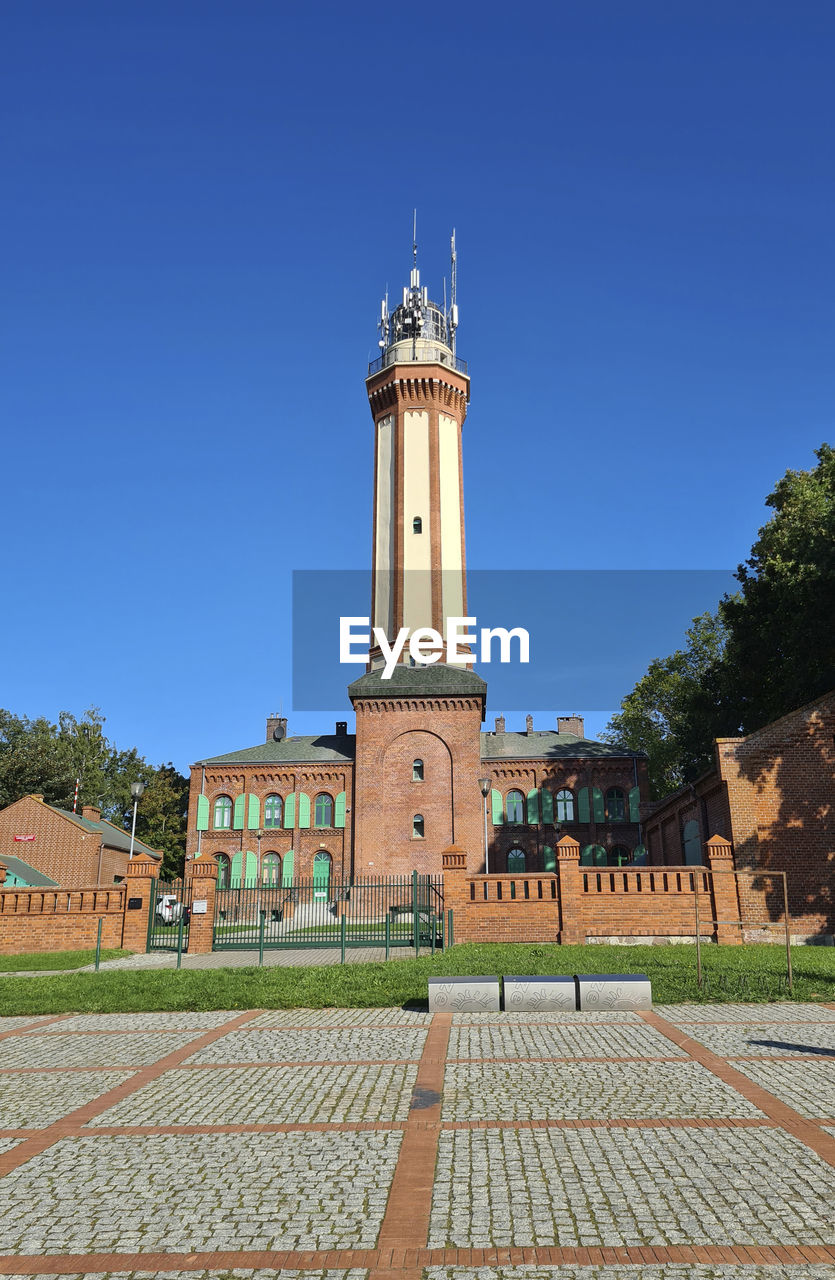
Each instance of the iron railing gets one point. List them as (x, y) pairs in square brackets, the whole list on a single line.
[(389, 911), (420, 353)]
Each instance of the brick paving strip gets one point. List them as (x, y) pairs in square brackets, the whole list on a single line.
[(805, 1130), (69, 1125)]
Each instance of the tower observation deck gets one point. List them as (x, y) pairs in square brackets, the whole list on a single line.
[(419, 330)]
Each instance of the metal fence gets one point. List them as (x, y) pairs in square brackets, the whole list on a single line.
[(387, 911), (169, 915)]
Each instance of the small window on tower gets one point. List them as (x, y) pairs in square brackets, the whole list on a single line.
[(417, 827), (417, 525), (417, 771)]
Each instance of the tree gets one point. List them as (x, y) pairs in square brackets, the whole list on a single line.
[(45, 758), (667, 713), (769, 649), (781, 626)]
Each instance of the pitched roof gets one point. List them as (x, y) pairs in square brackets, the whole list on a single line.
[(306, 749), (549, 745), (113, 837), (29, 875), (432, 681)]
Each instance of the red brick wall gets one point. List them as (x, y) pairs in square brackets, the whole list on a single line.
[(773, 797), (263, 780), (60, 919), (62, 849), (392, 732)]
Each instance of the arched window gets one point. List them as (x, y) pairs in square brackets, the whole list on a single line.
[(323, 811), (223, 868), (417, 525), (515, 806), (516, 861), (618, 856), (271, 869), (223, 813), (692, 844), (565, 806), (417, 826), (417, 771), (272, 811), (615, 805)]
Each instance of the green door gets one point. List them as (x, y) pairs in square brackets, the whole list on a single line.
[(321, 877)]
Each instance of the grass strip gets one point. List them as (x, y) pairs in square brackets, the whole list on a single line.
[(752, 973), (56, 959)]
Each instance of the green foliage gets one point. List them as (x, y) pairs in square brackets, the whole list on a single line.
[(45, 758), (752, 973), (781, 626), (668, 713), (769, 649)]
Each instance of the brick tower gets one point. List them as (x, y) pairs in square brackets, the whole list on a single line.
[(418, 733), (418, 391)]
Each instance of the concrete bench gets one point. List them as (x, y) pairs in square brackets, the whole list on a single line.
[(540, 995), (613, 991), (463, 995)]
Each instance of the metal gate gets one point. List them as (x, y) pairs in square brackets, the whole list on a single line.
[(389, 911), (169, 916)]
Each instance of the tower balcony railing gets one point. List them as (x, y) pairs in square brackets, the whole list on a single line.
[(417, 353)]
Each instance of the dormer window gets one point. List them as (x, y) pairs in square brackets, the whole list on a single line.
[(417, 525)]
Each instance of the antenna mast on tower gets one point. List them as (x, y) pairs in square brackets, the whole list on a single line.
[(453, 291)]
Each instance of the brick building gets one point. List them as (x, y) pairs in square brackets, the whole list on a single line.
[(70, 849), (772, 795)]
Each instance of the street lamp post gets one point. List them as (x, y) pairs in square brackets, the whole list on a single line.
[(137, 790), (484, 784)]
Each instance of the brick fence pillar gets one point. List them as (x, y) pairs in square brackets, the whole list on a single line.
[(572, 916), (201, 874), (141, 873), (720, 858), (456, 896)]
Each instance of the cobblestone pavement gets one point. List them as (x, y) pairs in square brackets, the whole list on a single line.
[(691, 1143)]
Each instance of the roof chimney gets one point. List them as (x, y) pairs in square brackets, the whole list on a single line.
[(276, 728), (528, 724), (571, 724), (91, 813), (500, 724), (341, 728)]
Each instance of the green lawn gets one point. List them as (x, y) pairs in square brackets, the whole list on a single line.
[(751, 973), (55, 959)]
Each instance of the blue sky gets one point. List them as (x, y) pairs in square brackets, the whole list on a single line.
[(202, 205)]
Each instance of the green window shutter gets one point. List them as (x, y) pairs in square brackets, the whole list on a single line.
[(634, 801), (202, 813), (253, 813), (496, 806), (547, 805), (583, 812), (250, 868), (287, 868), (639, 857), (599, 855), (304, 810), (598, 806), (235, 873), (533, 805), (290, 811), (239, 813), (586, 856), (339, 816), (549, 858)]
